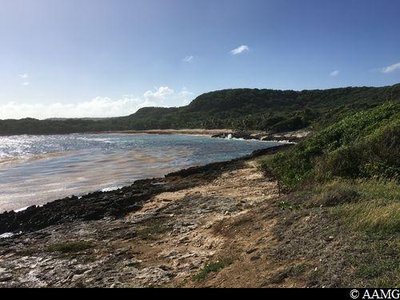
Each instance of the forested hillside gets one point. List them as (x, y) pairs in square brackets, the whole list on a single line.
[(242, 109)]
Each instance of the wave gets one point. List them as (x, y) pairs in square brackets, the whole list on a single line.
[(102, 140), (111, 189), (8, 235)]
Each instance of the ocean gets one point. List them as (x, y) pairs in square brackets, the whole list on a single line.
[(37, 169)]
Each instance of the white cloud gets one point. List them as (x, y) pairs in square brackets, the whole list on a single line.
[(188, 59), (24, 78), (241, 49), (185, 97), (390, 69), (335, 73), (97, 107), (158, 95)]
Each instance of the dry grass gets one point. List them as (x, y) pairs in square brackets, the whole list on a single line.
[(377, 211), (373, 217)]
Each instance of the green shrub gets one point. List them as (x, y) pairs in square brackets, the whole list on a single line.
[(364, 145), (339, 196), (70, 247), (213, 267)]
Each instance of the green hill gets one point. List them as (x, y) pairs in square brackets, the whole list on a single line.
[(269, 110), (363, 145), (242, 109)]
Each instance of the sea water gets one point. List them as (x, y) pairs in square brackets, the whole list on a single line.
[(37, 169)]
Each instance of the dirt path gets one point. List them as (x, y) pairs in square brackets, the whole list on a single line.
[(186, 237)]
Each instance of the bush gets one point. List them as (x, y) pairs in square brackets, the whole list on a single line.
[(213, 267), (365, 145), (340, 195), (70, 247)]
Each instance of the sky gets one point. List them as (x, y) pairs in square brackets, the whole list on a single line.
[(105, 58)]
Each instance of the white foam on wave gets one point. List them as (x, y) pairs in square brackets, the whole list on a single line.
[(103, 140), (21, 209), (6, 235), (111, 189), (283, 142)]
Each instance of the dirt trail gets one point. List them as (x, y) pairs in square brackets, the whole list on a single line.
[(187, 237)]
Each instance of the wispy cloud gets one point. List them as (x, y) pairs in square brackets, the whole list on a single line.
[(24, 79), (334, 73), (185, 96), (188, 59), (97, 107), (391, 68), (240, 50)]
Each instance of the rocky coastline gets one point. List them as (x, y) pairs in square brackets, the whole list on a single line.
[(287, 137), (159, 232), (113, 204)]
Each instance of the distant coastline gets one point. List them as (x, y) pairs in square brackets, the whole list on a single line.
[(199, 131), (291, 137)]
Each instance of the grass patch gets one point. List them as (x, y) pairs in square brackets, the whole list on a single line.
[(153, 230), (376, 209), (339, 196), (369, 210), (335, 193), (212, 267), (284, 205), (375, 221), (374, 217), (294, 271), (377, 263), (70, 247)]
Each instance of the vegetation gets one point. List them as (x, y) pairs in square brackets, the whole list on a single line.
[(213, 267), (240, 109), (70, 247), (151, 230), (347, 176), (364, 145)]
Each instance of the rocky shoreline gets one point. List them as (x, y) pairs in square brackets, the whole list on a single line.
[(113, 204), (161, 232), (287, 137), (226, 224)]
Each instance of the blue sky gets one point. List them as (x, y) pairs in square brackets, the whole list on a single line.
[(98, 58)]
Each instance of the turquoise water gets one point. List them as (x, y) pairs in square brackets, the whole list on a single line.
[(38, 169)]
